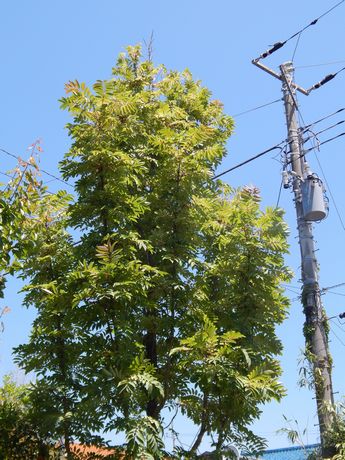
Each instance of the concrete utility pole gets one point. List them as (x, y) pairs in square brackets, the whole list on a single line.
[(305, 183), (310, 206)]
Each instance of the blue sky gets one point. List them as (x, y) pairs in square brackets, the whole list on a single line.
[(44, 44)]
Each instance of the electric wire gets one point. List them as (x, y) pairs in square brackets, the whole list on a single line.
[(289, 286), (315, 148), (294, 292), (330, 191), (314, 135), (278, 146), (280, 44), (296, 46), (330, 9), (336, 335), (314, 21), (333, 287), (336, 293), (12, 177), (304, 128), (279, 193), (325, 80), (322, 143), (256, 108), (42, 170), (5, 174), (319, 65)]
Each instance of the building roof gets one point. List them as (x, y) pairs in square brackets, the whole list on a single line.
[(289, 453), (84, 452)]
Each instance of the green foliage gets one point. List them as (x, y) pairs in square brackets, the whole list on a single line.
[(335, 437), (171, 296), (19, 434), (144, 438), (18, 200)]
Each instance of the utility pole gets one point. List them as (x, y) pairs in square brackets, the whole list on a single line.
[(310, 206), (314, 329)]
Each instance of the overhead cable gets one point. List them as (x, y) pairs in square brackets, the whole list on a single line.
[(330, 192), (332, 287), (42, 170), (278, 146), (279, 45), (279, 193), (325, 80), (319, 65), (315, 147), (341, 316), (256, 108), (296, 46), (306, 127), (324, 142), (336, 293), (322, 130), (341, 341), (5, 174)]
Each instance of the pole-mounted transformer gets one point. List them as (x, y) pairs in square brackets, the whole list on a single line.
[(315, 204), (311, 205)]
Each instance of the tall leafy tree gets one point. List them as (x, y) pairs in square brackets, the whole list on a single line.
[(173, 288), (52, 351)]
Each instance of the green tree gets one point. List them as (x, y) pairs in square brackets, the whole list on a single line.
[(18, 199), (52, 350), (19, 437), (170, 297)]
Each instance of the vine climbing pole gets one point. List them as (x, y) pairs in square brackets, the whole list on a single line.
[(304, 182), (310, 206)]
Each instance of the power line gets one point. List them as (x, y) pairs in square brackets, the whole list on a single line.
[(304, 128), (294, 292), (279, 193), (319, 144), (12, 177), (278, 146), (279, 45), (336, 293), (256, 108), (336, 335), (315, 148), (333, 287), (296, 46), (325, 80), (314, 135), (42, 170), (337, 324), (289, 286), (324, 142), (319, 65), (312, 23), (7, 175), (330, 192)]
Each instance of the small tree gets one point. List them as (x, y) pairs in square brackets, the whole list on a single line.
[(19, 437)]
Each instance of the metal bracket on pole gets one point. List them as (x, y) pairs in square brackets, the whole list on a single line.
[(316, 338), (279, 77)]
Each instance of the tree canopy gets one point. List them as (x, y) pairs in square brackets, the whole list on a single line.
[(157, 288)]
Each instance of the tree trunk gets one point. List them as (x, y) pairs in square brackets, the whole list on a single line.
[(203, 426)]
